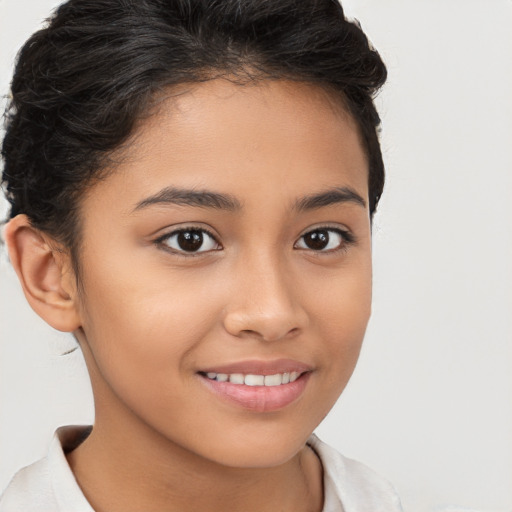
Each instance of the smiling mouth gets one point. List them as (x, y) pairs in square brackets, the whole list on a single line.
[(258, 386), (278, 379)]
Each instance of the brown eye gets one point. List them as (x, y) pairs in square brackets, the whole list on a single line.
[(323, 240), (190, 240), (317, 240)]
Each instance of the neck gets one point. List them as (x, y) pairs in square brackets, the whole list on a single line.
[(127, 466)]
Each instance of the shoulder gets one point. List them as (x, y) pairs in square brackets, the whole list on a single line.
[(49, 484), (351, 486)]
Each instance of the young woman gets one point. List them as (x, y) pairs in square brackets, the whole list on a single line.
[(192, 185)]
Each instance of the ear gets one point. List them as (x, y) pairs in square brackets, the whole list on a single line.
[(45, 273)]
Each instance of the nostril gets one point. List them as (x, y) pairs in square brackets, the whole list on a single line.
[(268, 335), (249, 332)]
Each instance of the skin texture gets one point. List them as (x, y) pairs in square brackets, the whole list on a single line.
[(150, 318)]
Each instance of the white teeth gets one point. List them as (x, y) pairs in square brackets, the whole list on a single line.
[(236, 378), (255, 380), (273, 380)]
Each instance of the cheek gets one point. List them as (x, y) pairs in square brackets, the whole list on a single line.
[(145, 323), (341, 308)]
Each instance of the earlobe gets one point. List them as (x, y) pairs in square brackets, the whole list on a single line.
[(45, 274)]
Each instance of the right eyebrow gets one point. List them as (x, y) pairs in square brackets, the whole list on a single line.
[(190, 197)]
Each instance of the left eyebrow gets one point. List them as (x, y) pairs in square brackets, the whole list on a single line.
[(329, 197)]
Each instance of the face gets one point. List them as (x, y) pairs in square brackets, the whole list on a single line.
[(226, 268)]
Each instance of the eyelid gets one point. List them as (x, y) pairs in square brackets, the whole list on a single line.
[(329, 227), (160, 240), (345, 233)]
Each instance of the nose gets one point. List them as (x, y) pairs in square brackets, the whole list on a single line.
[(264, 302)]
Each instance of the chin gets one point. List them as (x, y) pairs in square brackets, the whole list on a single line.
[(269, 457), (263, 451)]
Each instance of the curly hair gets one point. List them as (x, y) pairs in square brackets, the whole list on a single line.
[(83, 82)]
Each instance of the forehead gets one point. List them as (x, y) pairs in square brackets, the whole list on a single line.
[(271, 137)]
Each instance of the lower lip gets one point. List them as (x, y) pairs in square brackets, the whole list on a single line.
[(259, 398)]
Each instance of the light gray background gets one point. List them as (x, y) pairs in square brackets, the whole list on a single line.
[(430, 404)]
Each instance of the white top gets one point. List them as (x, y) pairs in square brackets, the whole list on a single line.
[(49, 485)]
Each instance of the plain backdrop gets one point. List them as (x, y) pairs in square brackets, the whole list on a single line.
[(430, 403)]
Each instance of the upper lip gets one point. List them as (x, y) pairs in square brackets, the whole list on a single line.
[(260, 367)]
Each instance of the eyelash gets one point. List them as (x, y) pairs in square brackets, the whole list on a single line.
[(347, 239), (161, 241)]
